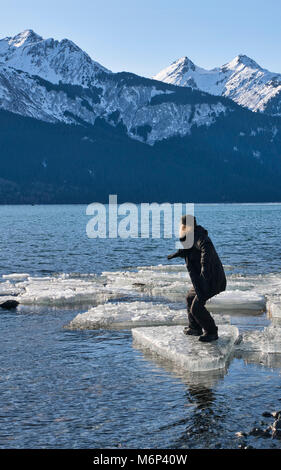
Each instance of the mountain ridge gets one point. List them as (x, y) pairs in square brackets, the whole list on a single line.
[(241, 79), (76, 139)]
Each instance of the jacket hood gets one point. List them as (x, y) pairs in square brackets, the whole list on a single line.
[(199, 230)]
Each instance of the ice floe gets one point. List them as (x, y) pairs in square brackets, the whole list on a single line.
[(61, 290), (244, 294), (238, 300), (16, 276), (133, 314), (186, 351), (172, 283), (9, 289), (274, 310), (267, 340)]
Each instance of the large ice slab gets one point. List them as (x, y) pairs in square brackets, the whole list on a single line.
[(186, 351), (267, 341), (8, 288), (16, 276), (59, 290), (237, 300), (172, 283), (272, 340), (274, 309), (250, 341), (133, 314)]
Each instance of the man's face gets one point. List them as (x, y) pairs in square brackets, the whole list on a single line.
[(186, 236)]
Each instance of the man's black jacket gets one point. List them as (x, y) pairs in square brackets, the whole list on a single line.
[(204, 265)]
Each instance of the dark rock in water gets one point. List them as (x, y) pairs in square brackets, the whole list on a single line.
[(267, 414), (242, 446), (9, 304), (238, 340), (257, 432), (267, 432)]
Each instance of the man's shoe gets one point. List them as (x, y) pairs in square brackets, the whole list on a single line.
[(192, 331), (208, 337)]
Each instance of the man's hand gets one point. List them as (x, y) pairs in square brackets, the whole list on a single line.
[(171, 256)]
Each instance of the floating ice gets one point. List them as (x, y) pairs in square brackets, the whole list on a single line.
[(186, 351), (16, 276), (244, 294), (133, 314), (61, 290), (206, 379), (272, 339), (250, 341), (267, 341), (274, 309), (9, 289), (238, 300), (172, 283)]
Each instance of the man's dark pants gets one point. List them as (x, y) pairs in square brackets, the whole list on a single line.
[(198, 316)]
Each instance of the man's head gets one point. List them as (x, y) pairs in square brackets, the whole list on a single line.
[(186, 231)]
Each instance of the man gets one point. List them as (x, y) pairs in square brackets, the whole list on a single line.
[(206, 274)]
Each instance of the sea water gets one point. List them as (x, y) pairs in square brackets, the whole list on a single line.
[(73, 388)]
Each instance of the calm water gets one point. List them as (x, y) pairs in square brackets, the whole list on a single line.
[(93, 389)]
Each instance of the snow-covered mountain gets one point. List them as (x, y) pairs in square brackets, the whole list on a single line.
[(56, 81), (202, 145), (51, 60), (242, 80)]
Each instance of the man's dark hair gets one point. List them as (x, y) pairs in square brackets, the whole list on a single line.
[(188, 220)]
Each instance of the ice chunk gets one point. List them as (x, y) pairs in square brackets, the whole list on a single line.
[(133, 314), (194, 380), (172, 283), (7, 288), (16, 276), (251, 341), (274, 309), (238, 300), (65, 290), (186, 351), (267, 340), (272, 339)]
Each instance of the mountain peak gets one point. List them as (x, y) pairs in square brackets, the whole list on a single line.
[(27, 36), (185, 62), (242, 59), (50, 59)]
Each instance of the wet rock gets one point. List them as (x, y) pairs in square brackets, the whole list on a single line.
[(267, 414), (238, 340), (258, 432), (9, 304), (243, 445), (267, 432)]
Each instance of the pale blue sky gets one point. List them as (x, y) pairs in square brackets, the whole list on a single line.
[(144, 36)]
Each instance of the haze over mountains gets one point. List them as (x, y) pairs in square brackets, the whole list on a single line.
[(73, 131)]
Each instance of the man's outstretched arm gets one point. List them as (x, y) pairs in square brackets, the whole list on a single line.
[(178, 254)]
